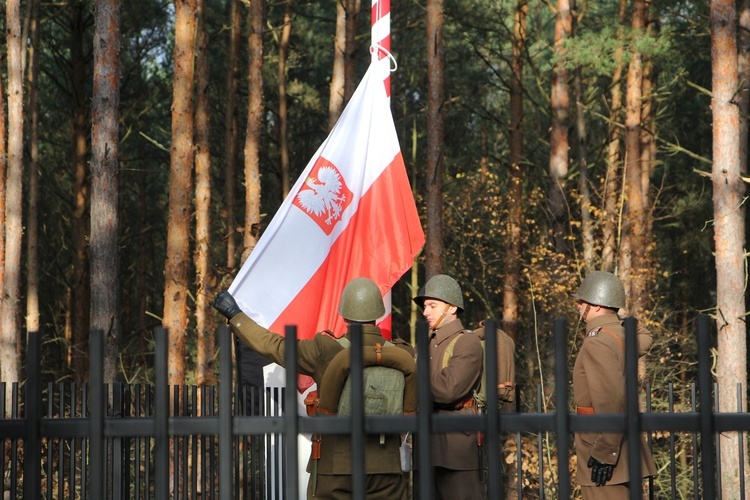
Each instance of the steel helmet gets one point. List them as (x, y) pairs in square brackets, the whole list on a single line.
[(361, 301), (602, 288), (441, 287)]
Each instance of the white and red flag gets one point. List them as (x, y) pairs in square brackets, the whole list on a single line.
[(351, 213)]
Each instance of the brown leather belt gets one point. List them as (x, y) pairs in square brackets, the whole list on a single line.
[(466, 403), (584, 410)]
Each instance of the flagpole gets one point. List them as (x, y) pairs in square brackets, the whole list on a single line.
[(380, 18)]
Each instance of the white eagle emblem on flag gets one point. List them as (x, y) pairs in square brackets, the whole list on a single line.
[(324, 195)]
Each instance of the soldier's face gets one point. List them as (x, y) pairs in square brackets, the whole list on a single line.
[(434, 310)]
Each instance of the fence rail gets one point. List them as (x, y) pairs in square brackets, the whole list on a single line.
[(113, 442)]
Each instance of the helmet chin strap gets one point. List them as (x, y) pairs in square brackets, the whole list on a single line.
[(441, 318), (585, 312)]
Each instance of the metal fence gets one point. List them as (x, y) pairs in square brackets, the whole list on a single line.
[(134, 441)]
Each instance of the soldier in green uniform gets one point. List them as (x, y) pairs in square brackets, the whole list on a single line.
[(456, 358), (361, 302), (599, 387)]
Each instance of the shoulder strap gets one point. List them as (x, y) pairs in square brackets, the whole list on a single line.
[(346, 343), (448, 354), (612, 334)]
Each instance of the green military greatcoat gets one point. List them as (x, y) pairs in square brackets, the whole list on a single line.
[(382, 462)]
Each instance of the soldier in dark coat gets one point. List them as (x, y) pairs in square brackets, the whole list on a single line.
[(361, 302), (599, 387), (455, 371)]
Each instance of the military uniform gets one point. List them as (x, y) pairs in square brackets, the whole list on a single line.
[(455, 456), (384, 479), (599, 387)]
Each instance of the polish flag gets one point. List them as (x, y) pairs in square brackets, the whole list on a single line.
[(351, 213)]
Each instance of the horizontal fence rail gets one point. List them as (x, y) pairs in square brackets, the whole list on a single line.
[(99, 441)]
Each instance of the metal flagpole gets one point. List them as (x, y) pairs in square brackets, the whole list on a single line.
[(381, 35)]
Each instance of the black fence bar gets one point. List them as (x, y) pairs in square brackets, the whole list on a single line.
[(424, 431), (632, 409), (704, 391), (356, 375), (161, 414), (97, 451), (492, 441), (291, 487), (225, 413), (741, 445), (561, 421), (115, 446), (32, 456)]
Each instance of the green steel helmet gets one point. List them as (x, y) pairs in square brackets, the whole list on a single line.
[(441, 287), (602, 288), (361, 301)]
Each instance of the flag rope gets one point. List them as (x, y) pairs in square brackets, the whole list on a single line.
[(376, 48)]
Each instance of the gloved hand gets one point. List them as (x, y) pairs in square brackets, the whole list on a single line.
[(226, 305), (600, 472)]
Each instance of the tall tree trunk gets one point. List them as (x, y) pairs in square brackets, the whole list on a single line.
[(611, 213), (647, 164), (3, 168), (587, 224), (743, 100), (743, 74), (337, 91), (558, 143), (32, 226), (286, 33), (729, 236), (10, 330), (254, 126), (515, 184), (105, 182), (230, 129), (350, 63), (435, 130), (633, 277), (205, 319), (80, 281), (180, 190)]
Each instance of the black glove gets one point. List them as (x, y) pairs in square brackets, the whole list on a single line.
[(600, 472), (226, 305)]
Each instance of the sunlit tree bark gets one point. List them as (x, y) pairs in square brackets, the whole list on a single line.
[(587, 222), (205, 319), (286, 33), (105, 183), (435, 129), (729, 237), (254, 125), (80, 296), (611, 209), (180, 190), (350, 63), (32, 240), (10, 330), (558, 142), (3, 165), (633, 265), (512, 276), (336, 99), (230, 129)]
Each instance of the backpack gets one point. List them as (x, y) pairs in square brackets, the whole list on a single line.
[(389, 379), (506, 370), (384, 389)]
